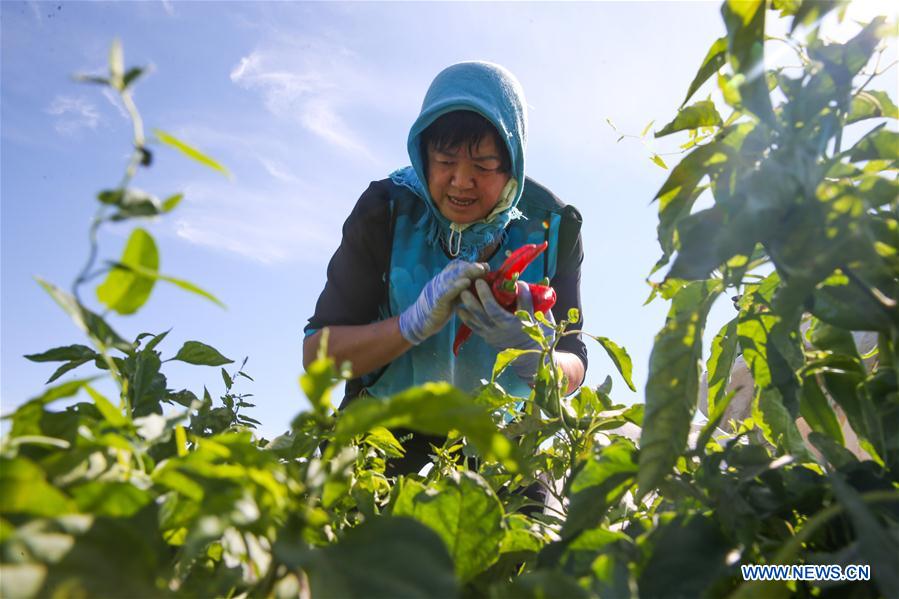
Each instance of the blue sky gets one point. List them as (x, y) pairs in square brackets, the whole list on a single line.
[(306, 103)]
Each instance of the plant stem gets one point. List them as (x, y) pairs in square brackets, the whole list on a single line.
[(551, 490), (788, 551), (887, 304), (92, 254)]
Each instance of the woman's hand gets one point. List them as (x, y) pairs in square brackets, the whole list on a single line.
[(501, 329), (434, 306)]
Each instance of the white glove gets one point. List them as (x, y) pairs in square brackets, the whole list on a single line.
[(501, 329), (434, 306)]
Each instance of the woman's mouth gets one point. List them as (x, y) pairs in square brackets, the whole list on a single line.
[(461, 202)]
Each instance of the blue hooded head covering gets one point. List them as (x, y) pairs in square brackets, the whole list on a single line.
[(493, 92)]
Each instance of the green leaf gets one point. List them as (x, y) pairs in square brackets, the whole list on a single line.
[(384, 440), (24, 490), (148, 386), (812, 11), (708, 239), (518, 537), (142, 271), (540, 584), (84, 319), (169, 477), (110, 498), (579, 557), (157, 339), (131, 76), (317, 383), (132, 203), (66, 368), (194, 352), (646, 128), (82, 78), (777, 424), (63, 354), (771, 343), (410, 561), (43, 543), (184, 397), (679, 192), (586, 402), (721, 361), (687, 556), (879, 191), (190, 151), (125, 291), (61, 391), (871, 104), (620, 358), (714, 420), (464, 511), (21, 580), (116, 64), (846, 306), (673, 384), (729, 86), (833, 339), (841, 379), (111, 557), (172, 202), (877, 547), (634, 414), (112, 414), (658, 160), (745, 22), (838, 456), (227, 378), (713, 61), (111, 197), (880, 144), (700, 114), (434, 409), (857, 52), (28, 419), (599, 486), (506, 357)]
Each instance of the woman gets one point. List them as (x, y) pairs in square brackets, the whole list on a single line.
[(397, 285)]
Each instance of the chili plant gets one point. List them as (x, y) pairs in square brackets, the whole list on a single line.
[(102, 499)]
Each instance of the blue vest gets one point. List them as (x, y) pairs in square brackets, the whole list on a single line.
[(413, 263)]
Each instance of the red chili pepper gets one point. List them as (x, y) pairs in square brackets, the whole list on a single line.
[(503, 283), (544, 297)]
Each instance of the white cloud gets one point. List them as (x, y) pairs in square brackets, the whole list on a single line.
[(320, 118), (277, 170), (264, 225), (73, 113), (35, 10), (311, 84), (217, 238)]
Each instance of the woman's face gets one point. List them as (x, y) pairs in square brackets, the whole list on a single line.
[(466, 185)]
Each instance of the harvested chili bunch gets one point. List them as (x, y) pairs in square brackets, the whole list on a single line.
[(503, 283)]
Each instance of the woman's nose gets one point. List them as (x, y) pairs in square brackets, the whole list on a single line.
[(463, 177)]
